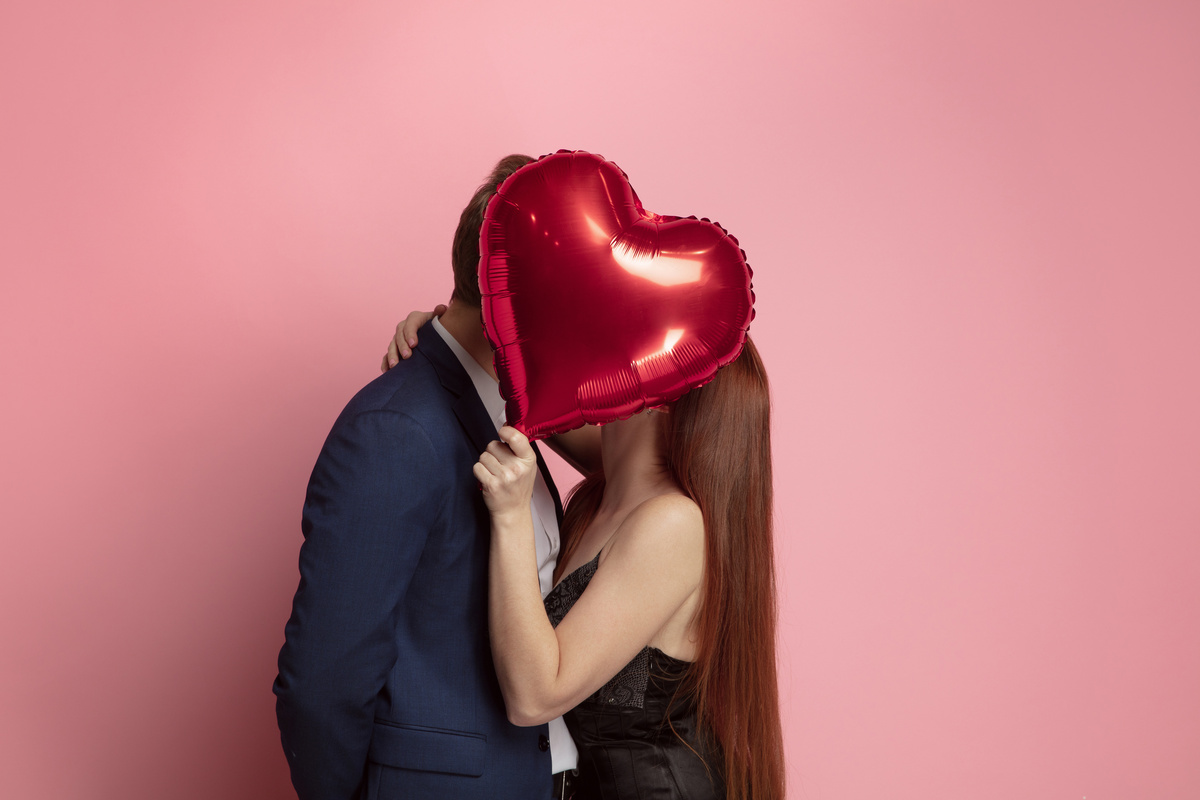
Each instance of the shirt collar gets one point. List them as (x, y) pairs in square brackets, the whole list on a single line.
[(487, 387)]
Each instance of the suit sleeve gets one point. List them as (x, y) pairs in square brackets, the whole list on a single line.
[(371, 502)]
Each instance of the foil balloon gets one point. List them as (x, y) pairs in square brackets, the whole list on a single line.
[(597, 308)]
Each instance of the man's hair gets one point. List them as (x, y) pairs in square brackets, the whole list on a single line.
[(464, 256)]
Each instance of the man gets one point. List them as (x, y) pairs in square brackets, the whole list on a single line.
[(386, 687)]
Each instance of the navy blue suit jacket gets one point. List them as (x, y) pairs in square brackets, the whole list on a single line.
[(386, 687)]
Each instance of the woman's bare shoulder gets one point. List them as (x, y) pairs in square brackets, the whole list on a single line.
[(672, 508), (669, 524)]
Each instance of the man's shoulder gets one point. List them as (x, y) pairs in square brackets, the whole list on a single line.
[(411, 387)]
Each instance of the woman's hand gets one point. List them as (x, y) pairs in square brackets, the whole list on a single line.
[(506, 472), (406, 336)]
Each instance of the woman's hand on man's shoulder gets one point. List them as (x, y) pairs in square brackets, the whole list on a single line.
[(401, 345)]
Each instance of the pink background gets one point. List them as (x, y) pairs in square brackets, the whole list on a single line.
[(974, 234)]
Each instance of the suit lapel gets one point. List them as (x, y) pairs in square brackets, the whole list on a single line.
[(467, 405), (545, 470)]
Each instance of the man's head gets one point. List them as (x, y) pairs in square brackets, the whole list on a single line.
[(465, 254)]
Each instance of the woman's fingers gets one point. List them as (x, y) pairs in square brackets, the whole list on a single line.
[(503, 463), (405, 338), (518, 443), (406, 331), (499, 449), (394, 350), (415, 319), (392, 357), (505, 477), (491, 463)]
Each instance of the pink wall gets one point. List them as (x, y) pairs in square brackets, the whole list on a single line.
[(973, 228)]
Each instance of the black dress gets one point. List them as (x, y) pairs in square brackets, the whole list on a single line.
[(637, 734)]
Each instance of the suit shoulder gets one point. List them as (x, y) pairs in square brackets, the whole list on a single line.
[(411, 387), (402, 417)]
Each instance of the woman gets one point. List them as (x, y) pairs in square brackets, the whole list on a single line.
[(659, 646)]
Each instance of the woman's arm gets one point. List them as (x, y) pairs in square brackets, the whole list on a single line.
[(652, 567)]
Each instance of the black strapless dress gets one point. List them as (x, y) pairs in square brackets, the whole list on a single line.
[(637, 734)]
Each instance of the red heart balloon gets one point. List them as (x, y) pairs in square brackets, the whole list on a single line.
[(596, 308)]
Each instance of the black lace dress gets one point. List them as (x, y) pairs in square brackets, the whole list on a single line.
[(637, 735)]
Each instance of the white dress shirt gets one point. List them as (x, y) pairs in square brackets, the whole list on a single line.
[(563, 755)]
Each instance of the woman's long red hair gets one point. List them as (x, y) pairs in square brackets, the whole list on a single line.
[(717, 445)]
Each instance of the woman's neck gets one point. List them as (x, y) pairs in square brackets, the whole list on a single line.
[(634, 467)]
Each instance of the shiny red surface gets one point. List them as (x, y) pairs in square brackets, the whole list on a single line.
[(597, 308)]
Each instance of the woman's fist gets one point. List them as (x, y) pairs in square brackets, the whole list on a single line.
[(506, 472)]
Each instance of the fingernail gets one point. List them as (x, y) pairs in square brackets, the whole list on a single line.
[(412, 341), (392, 362)]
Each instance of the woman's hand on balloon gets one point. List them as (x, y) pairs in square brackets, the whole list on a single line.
[(401, 345), (506, 472)]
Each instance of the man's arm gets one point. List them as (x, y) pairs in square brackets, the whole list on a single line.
[(370, 504)]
